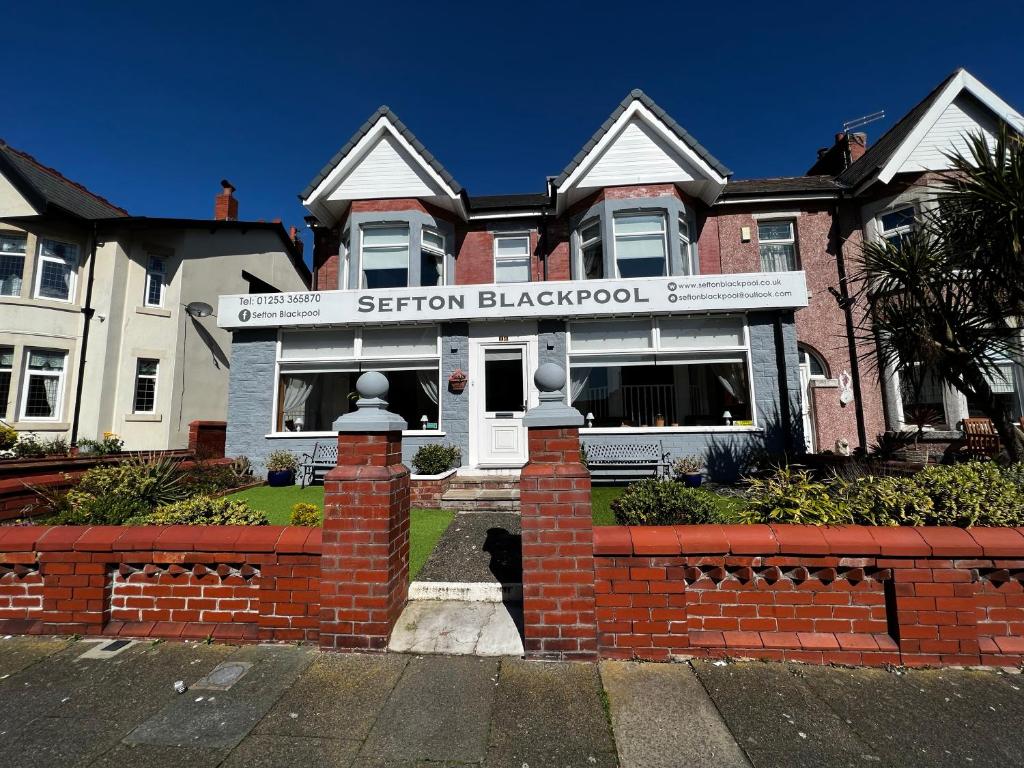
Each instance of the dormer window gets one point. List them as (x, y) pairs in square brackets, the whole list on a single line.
[(385, 257), (641, 249)]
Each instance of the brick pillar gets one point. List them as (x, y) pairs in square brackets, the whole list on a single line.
[(558, 537), (364, 576)]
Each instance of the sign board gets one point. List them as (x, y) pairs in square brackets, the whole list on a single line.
[(576, 298)]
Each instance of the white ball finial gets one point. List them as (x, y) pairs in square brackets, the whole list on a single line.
[(372, 384), (550, 377)]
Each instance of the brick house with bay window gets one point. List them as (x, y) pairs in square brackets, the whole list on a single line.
[(642, 209)]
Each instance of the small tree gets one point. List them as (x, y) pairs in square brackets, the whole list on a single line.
[(947, 299)]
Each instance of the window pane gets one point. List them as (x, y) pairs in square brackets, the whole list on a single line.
[(433, 239), (6, 357), (12, 267), (5, 392), (386, 258), (385, 278), (698, 332), (327, 344), (419, 341), (374, 237), (431, 267), (641, 247), (593, 261), (684, 229), (145, 387), (147, 367), (642, 267), (921, 391), (503, 380), (54, 280), (46, 360), (777, 258), (641, 222), (512, 271), (611, 334), (590, 231), (12, 244), (41, 397), (674, 394), (512, 246), (904, 217), (775, 230)]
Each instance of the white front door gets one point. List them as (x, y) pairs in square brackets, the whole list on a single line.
[(807, 405), (500, 385)]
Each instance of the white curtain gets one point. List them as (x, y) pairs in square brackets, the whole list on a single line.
[(296, 392), (428, 383), (731, 379), (50, 387), (578, 382)]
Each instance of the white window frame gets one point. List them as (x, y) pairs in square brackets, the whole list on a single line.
[(441, 252), (810, 356), (618, 215), (686, 244), (584, 243), (9, 370), (354, 363), (27, 374), (529, 255), (13, 254), (155, 274), (899, 231), (363, 248), (73, 277), (138, 376), (671, 355), (790, 241)]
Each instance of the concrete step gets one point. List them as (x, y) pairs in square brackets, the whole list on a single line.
[(483, 480), (481, 499)]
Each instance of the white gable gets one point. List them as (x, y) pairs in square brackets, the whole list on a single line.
[(385, 170), (637, 155), (966, 116), (12, 202)]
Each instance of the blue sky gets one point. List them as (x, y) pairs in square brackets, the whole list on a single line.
[(152, 104)]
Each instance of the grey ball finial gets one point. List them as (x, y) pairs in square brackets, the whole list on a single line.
[(372, 384), (550, 377)]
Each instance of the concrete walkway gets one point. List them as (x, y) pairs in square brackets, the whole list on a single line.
[(287, 705)]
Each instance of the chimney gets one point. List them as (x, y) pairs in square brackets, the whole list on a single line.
[(293, 235), (225, 206), (833, 160)]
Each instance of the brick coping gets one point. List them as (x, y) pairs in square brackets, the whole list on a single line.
[(125, 542)]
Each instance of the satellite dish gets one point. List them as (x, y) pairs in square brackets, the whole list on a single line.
[(198, 309)]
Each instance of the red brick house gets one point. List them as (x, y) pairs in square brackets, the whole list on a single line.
[(693, 311)]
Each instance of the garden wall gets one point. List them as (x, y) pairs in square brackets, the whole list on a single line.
[(226, 582), (845, 594)]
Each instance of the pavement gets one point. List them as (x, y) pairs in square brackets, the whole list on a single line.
[(72, 702)]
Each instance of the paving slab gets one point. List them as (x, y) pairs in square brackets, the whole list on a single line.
[(549, 714), (478, 547), (220, 719), (18, 653), (459, 628), (661, 712), (276, 751), (149, 756), (59, 741), (339, 696), (778, 720), (439, 710)]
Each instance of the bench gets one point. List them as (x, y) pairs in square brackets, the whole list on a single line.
[(323, 459), (620, 457), (981, 438)]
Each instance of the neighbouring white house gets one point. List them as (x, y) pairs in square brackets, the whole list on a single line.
[(104, 316)]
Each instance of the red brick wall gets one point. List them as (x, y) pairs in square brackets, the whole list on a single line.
[(207, 439), (851, 595), (426, 494), (236, 583)]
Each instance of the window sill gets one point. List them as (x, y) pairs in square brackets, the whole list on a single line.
[(144, 417), (663, 430), (405, 433), (64, 306), (28, 425), (154, 311)]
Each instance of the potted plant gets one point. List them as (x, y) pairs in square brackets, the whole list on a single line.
[(281, 466), (689, 469)]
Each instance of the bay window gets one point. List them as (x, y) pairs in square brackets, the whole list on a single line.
[(318, 371), (6, 369), (43, 388), (512, 258), (923, 396), (55, 271), (895, 226), (12, 264), (667, 372), (385, 256), (641, 249), (1003, 381), (432, 257), (777, 245)]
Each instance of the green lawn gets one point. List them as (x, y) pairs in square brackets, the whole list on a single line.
[(425, 525)]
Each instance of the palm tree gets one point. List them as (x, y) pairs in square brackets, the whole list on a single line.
[(948, 298)]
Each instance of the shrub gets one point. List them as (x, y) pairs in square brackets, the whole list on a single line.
[(56, 446), (972, 493), (29, 447), (8, 437), (435, 458), (203, 510), (663, 502), (885, 500), (242, 467), (110, 443), (307, 515), (792, 496), (279, 461)]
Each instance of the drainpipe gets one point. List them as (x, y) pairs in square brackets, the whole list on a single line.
[(87, 313), (846, 304)]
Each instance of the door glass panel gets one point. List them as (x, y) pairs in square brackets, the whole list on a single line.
[(503, 380)]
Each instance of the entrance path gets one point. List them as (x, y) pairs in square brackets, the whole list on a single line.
[(288, 705)]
